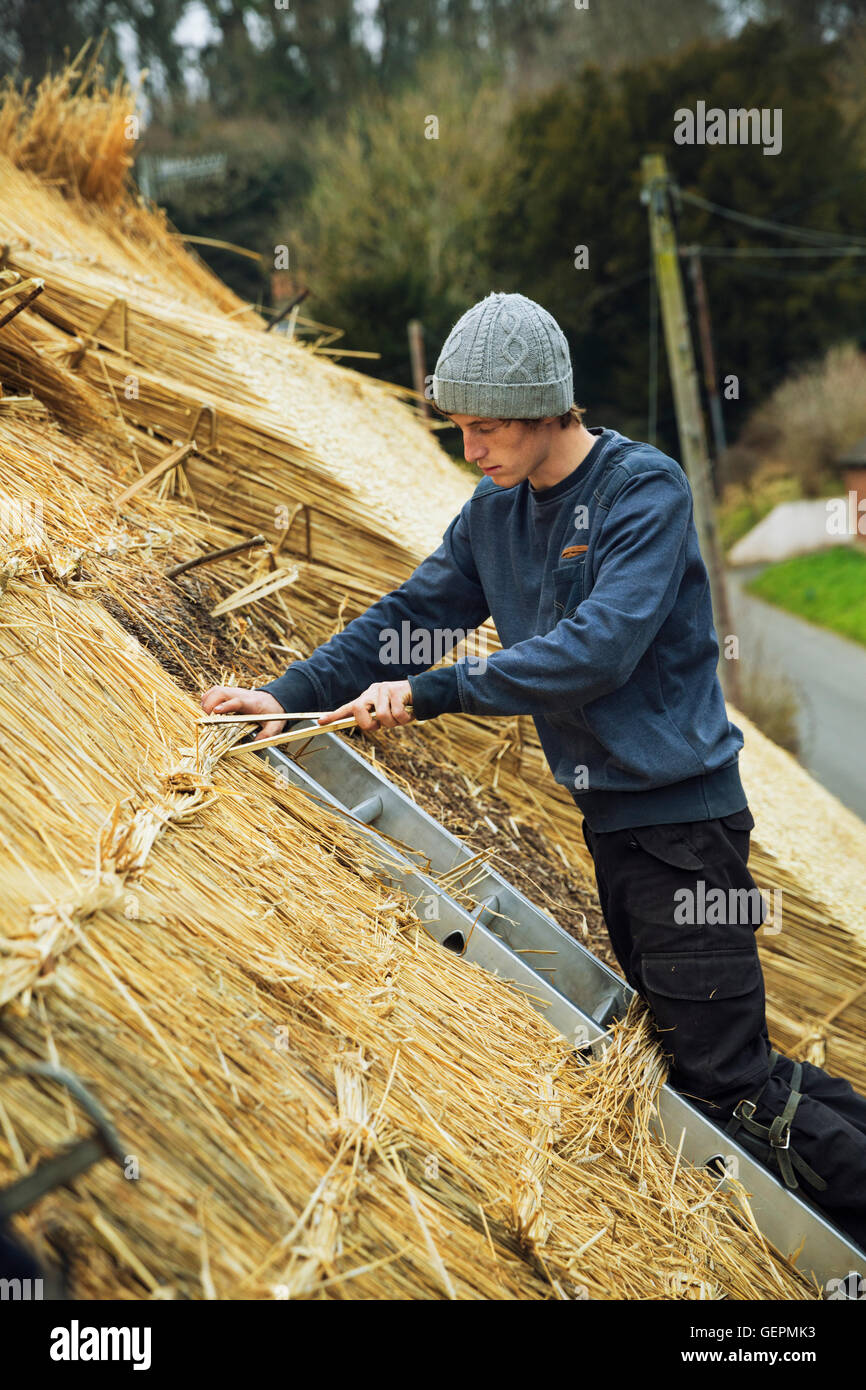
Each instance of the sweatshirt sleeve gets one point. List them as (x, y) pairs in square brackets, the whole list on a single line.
[(404, 633), (641, 558)]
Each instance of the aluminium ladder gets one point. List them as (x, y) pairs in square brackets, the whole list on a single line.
[(579, 995)]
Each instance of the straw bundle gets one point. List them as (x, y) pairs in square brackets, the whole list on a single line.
[(131, 241), (74, 132), (322, 1102), (265, 403)]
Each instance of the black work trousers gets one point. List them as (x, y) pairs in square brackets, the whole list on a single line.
[(682, 911)]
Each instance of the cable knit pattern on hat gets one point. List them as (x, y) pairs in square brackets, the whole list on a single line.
[(506, 358)]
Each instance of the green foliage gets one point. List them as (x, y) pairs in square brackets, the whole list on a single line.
[(828, 588), (625, 31), (397, 226), (738, 519), (742, 507), (809, 420), (390, 229), (570, 175)]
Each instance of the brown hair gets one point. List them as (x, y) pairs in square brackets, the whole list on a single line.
[(574, 412)]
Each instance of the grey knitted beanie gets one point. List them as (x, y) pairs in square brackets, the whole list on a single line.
[(506, 358)]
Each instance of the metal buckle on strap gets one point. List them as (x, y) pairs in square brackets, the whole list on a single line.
[(741, 1112), (775, 1141)]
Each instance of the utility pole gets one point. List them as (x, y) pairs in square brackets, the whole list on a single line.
[(416, 356), (687, 400), (708, 358)]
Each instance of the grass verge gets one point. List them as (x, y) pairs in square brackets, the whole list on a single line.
[(827, 588)]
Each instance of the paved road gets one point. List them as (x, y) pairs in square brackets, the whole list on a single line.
[(828, 674)]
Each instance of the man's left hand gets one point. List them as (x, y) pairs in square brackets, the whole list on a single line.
[(381, 706)]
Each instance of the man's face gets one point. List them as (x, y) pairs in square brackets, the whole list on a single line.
[(505, 450)]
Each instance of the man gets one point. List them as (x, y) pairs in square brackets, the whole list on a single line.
[(582, 546)]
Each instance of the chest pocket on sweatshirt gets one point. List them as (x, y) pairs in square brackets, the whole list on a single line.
[(568, 577)]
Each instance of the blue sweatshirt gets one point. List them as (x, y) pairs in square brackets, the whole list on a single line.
[(602, 603)]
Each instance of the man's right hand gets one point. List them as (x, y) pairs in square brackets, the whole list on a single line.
[(231, 699)]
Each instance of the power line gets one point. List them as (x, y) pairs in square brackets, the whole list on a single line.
[(807, 234), (854, 177), (827, 275), (770, 252)]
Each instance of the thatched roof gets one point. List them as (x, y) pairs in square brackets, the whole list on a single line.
[(317, 1097), (314, 1097)]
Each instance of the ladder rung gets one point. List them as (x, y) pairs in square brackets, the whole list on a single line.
[(367, 810)]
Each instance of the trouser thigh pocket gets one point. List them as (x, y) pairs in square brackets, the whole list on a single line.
[(708, 1006), (670, 844)]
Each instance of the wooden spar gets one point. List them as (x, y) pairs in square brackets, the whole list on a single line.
[(31, 288), (292, 737), (171, 460), (217, 719), (214, 555)]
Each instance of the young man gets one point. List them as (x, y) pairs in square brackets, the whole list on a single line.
[(582, 546)]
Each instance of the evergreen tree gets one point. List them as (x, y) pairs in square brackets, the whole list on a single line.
[(570, 175)]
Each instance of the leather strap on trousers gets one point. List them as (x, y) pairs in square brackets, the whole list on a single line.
[(778, 1133)]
